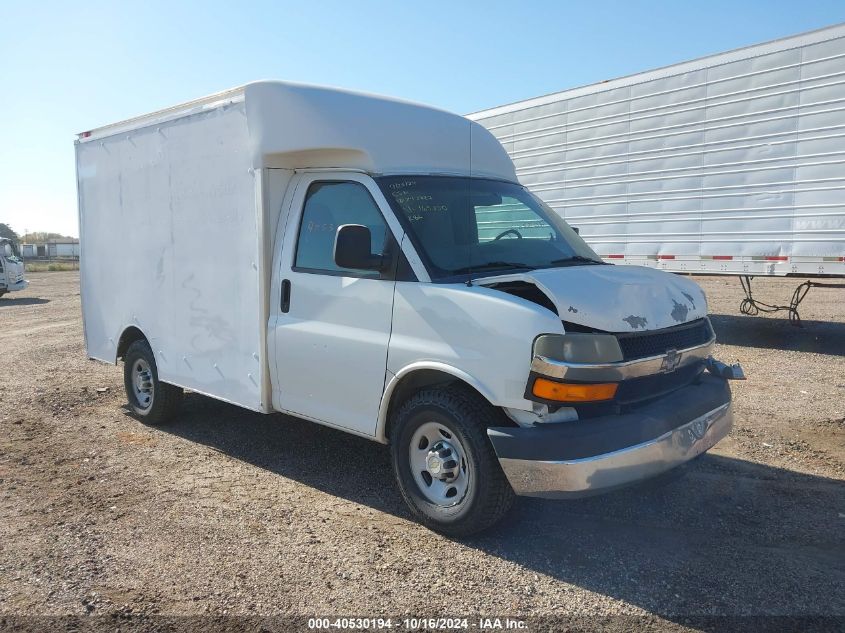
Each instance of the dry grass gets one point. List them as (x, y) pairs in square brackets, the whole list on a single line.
[(50, 267)]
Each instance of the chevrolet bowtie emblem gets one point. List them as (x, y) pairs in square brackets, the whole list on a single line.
[(670, 361)]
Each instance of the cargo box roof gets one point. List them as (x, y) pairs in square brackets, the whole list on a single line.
[(299, 126)]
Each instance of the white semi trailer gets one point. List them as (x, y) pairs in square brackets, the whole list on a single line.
[(729, 164)]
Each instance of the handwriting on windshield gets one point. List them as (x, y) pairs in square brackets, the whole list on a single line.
[(415, 204)]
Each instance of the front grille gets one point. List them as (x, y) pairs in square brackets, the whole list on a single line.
[(645, 344), (648, 387)]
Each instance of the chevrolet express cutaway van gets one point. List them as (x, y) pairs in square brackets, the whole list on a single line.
[(375, 266)]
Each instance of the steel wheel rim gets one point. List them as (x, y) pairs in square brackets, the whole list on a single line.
[(432, 449), (142, 383)]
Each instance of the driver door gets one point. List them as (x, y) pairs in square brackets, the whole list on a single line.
[(331, 327)]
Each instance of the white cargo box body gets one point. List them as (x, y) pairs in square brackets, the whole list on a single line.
[(733, 163), (179, 211), (169, 236)]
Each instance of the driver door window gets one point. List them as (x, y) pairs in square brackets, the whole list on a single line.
[(329, 205)]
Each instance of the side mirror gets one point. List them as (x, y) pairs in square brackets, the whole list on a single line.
[(353, 248), (577, 230)]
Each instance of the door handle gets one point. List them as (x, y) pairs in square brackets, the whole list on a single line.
[(285, 295)]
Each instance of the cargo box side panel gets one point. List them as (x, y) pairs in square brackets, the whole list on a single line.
[(170, 245)]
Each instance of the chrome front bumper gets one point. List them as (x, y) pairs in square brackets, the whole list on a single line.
[(622, 467), (592, 468)]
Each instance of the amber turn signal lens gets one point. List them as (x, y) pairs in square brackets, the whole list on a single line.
[(569, 392)]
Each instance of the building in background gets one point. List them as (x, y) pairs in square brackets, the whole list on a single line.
[(67, 248), (63, 248), (733, 163)]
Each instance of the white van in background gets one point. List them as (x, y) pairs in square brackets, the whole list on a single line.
[(11, 269), (373, 265)]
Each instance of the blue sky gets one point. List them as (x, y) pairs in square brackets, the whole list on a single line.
[(70, 66)]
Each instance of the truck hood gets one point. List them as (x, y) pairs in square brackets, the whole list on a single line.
[(616, 298)]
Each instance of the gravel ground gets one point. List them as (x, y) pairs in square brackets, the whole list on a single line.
[(228, 512)]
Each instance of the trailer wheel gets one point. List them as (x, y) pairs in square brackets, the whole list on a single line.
[(444, 463), (151, 400)]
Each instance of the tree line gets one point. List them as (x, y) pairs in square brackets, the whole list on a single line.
[(29, 238)]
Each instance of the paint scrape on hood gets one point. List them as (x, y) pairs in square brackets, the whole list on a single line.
[(617, 298)]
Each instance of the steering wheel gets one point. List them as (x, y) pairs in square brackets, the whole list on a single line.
[(509, 231)]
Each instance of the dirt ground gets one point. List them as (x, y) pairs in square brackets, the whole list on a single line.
[(232, 513)]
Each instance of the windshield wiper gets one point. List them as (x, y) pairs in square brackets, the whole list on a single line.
[(577, 259), (492, 265)]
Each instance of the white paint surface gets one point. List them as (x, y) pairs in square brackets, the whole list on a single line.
[(296, 125), (171, 244)]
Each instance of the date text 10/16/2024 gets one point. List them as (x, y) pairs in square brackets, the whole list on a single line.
[(410, 624)]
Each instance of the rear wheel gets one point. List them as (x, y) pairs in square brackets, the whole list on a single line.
[(444, 463), (151, 400)]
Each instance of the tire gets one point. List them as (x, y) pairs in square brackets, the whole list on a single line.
[(479, 500), (155, 402)]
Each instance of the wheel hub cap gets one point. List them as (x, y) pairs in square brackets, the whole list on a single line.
[(439, 464), (142, 383), (443, 461)]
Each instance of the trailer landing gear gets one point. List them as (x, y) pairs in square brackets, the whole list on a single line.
[(752, 306)]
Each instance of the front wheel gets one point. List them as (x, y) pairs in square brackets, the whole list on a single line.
[(444, 463), (151, 400)]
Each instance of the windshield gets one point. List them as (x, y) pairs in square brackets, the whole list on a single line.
[(8, 251), (473, 226)]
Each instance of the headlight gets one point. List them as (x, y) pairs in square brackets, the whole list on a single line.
[(579, 348)]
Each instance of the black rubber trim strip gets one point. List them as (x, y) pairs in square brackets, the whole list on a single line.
[(597, 436)]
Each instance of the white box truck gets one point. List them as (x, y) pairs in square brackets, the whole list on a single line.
[(338, 257), (731, 164), (11, 269)]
